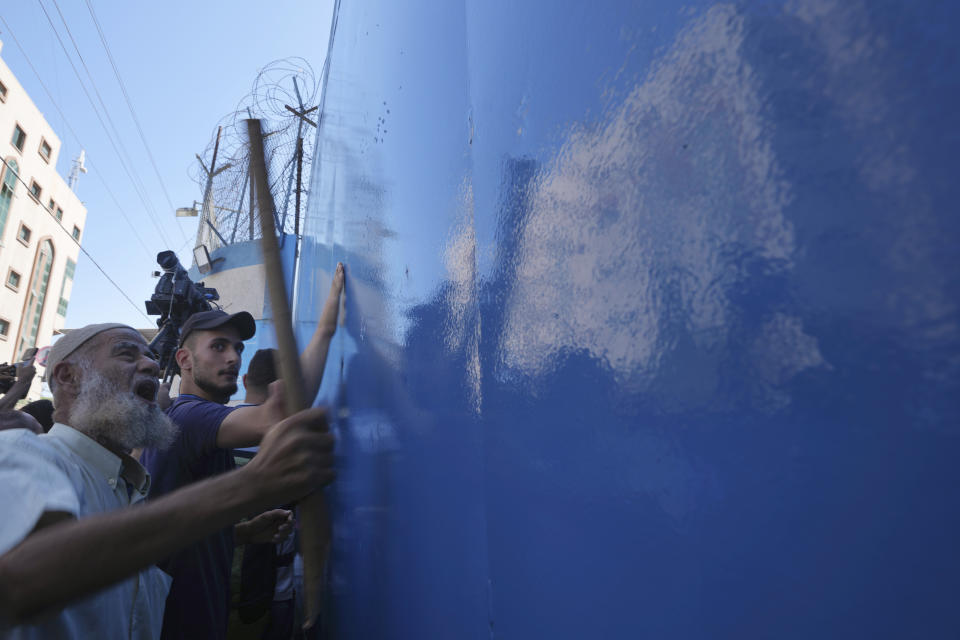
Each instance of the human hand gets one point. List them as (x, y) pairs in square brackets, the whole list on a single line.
[(270, 526), (163, 396), (295, 458), (275, 405), (25, 372)]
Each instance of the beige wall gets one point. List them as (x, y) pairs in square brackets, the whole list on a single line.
[(18, 109)]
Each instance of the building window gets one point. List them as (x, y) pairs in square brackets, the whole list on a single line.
[(45, 150), (76, 233), (35, 190), (19, 137), (13, 280), (4, 329), (36, 296), (7, 187), (24, 234), (51, 205), (3, 92), (66, 287), (59, 213)]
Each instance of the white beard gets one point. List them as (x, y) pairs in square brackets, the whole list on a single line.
[(107, 413)]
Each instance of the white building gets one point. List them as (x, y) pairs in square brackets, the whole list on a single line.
[(41, 225)]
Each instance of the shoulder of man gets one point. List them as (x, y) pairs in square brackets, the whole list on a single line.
[(199, 421), (190, 407), (34, 479)]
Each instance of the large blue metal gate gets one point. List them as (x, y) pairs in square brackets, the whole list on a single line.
[(651, 324)]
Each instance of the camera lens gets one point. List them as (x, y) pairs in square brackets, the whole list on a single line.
[(167, 260)]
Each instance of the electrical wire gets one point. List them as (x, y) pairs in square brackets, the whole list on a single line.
[(133, 113), (118, 147), (184, 245), (93, 84), (80, 246), (66, 122), (137, 185)]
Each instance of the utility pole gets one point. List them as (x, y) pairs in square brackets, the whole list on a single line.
[(301, 113), (252, 206), (207, 214), (296, 210)]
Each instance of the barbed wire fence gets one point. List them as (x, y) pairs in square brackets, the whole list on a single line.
[(284, 97)]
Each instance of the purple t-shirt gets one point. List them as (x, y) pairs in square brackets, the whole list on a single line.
[(199, 602)]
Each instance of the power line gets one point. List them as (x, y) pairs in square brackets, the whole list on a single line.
[(106, 187), (184, 245), (121, 152), (93, 84), (136, 234), (126, 96), (77, 242), (66, 123), (77, 138), (120, 156)]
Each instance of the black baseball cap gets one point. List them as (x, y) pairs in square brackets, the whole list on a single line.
[(214, 319)]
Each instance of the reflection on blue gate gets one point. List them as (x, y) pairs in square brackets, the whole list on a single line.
[(651, 324)]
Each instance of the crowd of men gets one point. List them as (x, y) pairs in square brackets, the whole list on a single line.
[(124, 507)]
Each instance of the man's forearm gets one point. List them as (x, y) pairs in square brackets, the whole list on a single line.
[(313, 360), (246, 426), (314, 357), (17, 391), (65, 561)]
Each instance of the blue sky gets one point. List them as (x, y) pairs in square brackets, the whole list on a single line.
[(185, 65)]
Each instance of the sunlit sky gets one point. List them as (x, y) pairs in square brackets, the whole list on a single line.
[(184, 66)]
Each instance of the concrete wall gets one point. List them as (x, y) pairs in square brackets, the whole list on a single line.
[(18, 109), (651, 321)]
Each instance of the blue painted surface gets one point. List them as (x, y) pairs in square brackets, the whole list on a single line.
[(651, 319)]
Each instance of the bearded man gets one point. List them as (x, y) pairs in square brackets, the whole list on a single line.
[(75, 561), (211, 344)]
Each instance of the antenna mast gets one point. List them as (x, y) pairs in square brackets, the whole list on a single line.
[(78, 168)]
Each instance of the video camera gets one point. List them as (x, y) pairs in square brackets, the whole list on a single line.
[(174, 299)]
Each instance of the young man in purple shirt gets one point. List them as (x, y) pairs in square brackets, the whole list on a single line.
[(211, 343)]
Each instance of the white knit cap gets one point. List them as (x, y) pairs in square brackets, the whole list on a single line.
[(73, 340)]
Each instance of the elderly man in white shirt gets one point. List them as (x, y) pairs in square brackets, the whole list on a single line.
[(75, 560)]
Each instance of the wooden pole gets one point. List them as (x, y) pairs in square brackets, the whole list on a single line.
[(314, 520)]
